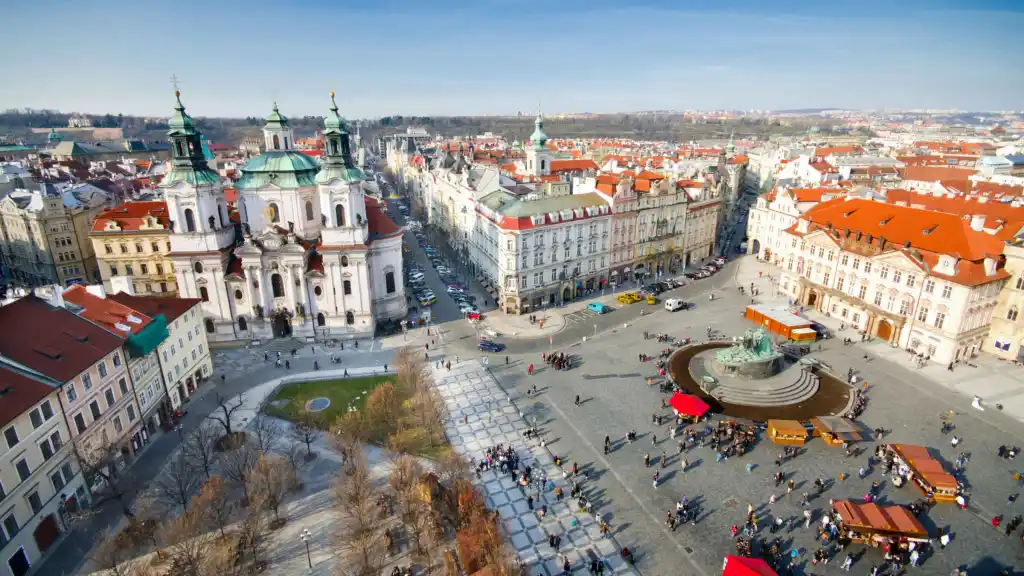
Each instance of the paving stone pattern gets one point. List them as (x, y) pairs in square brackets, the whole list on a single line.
[(480, 416)]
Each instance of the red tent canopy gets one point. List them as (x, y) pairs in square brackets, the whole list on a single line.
[(741, 566), (688, 405)]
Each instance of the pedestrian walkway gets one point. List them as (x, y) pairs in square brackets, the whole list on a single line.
[(480, 416)]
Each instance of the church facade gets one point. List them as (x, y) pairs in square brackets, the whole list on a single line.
[(308, 254)]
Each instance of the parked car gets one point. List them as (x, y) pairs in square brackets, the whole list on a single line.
[(673, 304)]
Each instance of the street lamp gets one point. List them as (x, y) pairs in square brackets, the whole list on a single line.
[(305, 536)]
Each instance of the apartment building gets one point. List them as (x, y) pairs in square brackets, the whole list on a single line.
[(142, 334), (133, 240), (661, 225), (91, 367), (703, 214), (1006, 337), (622, 199), (543, 250), (40, 480), (44, 234), (184, 356), (919, 279), (778, 210)]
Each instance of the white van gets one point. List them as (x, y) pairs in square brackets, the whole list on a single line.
[(673, 304)]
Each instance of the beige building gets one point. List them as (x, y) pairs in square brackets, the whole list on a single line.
[(44, 235), (133, 240), (90, 365), (40, 481), (1006, 337)]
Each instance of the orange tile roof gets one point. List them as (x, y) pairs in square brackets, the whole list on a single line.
[(131, 215), (813, 194), (641, 185), (829, 150), (738, 159), (994, 212), (607, 178), (936, 173), (648, 175), (114, 317), (572, 165), (823, 167)]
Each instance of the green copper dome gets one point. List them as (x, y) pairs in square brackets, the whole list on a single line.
[(180, 123), (276, 117), (538, 138), (284, 168)]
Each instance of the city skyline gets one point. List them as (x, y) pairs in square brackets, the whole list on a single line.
[(399, 57)]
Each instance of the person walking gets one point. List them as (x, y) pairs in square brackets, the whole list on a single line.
[(664, 460), (577, 400), (647, 460), (683, 464), (657, 475)]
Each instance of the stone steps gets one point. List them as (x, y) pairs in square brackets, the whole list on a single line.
[(284, 346), (798, 391)]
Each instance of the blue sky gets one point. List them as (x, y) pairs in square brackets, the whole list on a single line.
[(234, 58)]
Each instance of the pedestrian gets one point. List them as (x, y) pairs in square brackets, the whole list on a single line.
[(385, 367), (848, 562), (654, 439), (915, 556), (656, 476), (807, 518), (506, 360), (771, 499), (664, 460), (683, 464), (943, 538), (577, 401), (789, 486), (529, 501)]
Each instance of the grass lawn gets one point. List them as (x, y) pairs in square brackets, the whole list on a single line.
[(341, 392)]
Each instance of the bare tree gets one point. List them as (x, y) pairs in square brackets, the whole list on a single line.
[(224, 413), (177, 482), (114, 558), (252, 535), (215, 503), (199, 446), (382, 409), (307, 429), (404, 480), (361, 536), (149, 513), (451, 467), (266, 432), (187, 542), (98, 463), (236, 465), (269, 481)]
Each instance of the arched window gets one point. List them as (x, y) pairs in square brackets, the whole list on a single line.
[(190, 220), (204, 293), (1011, 315), (350, 318), (275, 214), (179, 151), (339, 215), (209, 325), (389, 282), (242, 324), (277, 286), (344, 261), (277, 143), (321, 320), (334, 147), (198, 267), (346, 287), (309, 210)]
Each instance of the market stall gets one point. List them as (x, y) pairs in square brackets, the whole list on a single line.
[(745, 566), (778, 320), (836, 431), (787, 432), (914, 464), (891, 527), (688, 405)]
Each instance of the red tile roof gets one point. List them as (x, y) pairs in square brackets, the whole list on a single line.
[(839, 150), (572, 165), (52, 341), (113, 316), (20, 393), (130, 216), (937, 173), (379, 224), (648, 175), (152, 306)]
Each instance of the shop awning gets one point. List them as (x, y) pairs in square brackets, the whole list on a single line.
[(846, 430), (742, 566), (688, 405)]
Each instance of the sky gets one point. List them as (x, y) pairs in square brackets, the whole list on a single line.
[(448, 57)]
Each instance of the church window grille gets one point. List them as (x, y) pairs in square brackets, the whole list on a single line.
[(277, 286), (204, 293), (190, 220), (309, 210), (321, 320), (242, 325), (339, 215), (350, 318)]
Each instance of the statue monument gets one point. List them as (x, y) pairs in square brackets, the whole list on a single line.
[(753, 356)]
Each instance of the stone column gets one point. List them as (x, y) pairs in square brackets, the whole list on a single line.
[(250, 275)]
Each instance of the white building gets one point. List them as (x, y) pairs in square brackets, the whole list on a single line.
[(314, 257), (777, 210), (921, 280)]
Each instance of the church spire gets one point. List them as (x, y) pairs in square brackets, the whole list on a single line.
[(186, 140), (539, 138), (337, 157)]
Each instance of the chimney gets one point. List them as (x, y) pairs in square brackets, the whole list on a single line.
[(978, 222), (57, 296), (122, 284), (96, 290)]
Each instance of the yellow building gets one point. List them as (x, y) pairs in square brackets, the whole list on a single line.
[(1006, 336), (133, 240), (44, 235)]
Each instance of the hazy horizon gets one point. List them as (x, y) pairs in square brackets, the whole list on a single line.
[(396, 57)]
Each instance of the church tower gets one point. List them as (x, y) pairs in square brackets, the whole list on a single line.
[(201, 234), (277, 134), (538, 156), (340, 186)]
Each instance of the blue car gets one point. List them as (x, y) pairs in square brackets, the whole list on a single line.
[(488, 346)]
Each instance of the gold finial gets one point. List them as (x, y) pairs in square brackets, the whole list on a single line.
[(332, 93), (177, 93)]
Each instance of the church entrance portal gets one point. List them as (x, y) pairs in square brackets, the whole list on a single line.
[(282, 325), (884, 330)]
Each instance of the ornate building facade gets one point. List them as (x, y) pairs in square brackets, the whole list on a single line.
[(310, 256)]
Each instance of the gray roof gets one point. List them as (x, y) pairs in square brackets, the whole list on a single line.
[(513, 206)]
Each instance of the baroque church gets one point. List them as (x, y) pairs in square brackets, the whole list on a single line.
[(310, 255)]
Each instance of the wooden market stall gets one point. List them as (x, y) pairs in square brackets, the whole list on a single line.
[(778, 320), (787, 432), (878, 526), (803, 334), (915, 464), (836, 431)]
